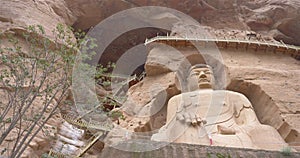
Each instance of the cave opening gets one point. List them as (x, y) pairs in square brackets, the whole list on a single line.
[(266, 110), (128, 54)]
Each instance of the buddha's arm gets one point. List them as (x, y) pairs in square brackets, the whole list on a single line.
[(173, 104), (244, 112)]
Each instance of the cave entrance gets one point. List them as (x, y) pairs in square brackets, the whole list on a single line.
[(266, 110)]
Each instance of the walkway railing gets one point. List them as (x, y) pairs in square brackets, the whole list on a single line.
[(292, 50)]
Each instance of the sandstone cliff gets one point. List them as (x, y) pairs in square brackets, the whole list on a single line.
[(268, 79)]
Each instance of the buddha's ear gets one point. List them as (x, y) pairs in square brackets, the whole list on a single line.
[(213, 82)]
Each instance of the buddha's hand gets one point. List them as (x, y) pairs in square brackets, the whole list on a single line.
[(190, 118)]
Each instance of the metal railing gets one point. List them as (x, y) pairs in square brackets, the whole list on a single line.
[(175, 38), (239, 42)]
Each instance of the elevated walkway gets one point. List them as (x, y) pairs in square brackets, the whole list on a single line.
[(174, 41)]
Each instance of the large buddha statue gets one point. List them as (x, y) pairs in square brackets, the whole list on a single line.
[(215, 117)]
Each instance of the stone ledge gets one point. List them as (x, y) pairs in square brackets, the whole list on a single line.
[(195, 151)]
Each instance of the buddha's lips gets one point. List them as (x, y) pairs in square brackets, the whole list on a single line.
[(203, 80)]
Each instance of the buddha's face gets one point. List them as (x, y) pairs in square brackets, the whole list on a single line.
[(201, 78)]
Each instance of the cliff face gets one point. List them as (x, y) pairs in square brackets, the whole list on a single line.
[(278, 19), (271, 19), (17, 14)]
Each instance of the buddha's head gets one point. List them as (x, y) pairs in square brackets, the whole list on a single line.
[(200, 77)]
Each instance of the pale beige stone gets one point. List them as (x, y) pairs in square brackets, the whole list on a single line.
[(215, 117)]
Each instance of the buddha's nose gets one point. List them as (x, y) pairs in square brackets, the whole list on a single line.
[(202, 74)]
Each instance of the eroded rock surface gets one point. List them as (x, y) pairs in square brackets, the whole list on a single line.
[(47, 13), (273, 78), (146, 102), (263, 16)]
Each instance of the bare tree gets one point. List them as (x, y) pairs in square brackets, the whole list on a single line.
[(34, 80)]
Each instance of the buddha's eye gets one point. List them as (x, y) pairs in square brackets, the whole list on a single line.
[(194, 74)]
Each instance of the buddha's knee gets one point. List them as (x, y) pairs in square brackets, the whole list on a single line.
[(161, 136)]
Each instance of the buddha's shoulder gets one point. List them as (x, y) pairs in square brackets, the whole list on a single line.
[(225, 93), (192, 94), (232, 95), (183, 95)]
